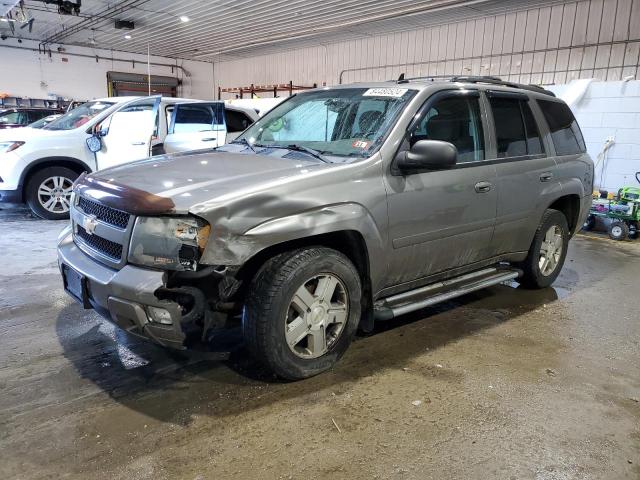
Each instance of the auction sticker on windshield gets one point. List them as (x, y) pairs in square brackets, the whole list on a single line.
[(385, 92)]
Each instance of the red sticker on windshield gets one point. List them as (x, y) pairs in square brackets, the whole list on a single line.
[(360, 144)]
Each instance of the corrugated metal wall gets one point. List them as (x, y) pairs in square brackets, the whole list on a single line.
[(545, 45)]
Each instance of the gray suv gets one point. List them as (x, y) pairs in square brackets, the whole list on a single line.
[(340, 207)]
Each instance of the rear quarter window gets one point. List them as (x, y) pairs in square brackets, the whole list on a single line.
[(565, 133)]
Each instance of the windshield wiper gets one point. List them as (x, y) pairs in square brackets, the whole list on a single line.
[(299, 148), (244, 141)]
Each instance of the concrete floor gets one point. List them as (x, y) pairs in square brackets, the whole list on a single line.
[(513, 384)]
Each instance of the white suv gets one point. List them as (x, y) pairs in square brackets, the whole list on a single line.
[(38, 166)]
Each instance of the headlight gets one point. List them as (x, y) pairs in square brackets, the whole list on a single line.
[(6, 147), (171, 243)]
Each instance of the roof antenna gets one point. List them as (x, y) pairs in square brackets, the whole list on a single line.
[(401, 79)]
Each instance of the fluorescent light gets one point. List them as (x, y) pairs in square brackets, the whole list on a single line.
[(128, 37), (184, 18)]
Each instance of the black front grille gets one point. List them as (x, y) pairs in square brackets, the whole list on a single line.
[(105, 214), (108, 248)]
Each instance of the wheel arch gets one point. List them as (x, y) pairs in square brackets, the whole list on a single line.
[(569, 206), (350, 243), (74, 164)]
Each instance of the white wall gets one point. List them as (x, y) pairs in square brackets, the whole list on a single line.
[(23, 70), (542, 45), (611, 109)]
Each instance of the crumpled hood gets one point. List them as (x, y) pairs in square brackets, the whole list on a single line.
[(189, 179)]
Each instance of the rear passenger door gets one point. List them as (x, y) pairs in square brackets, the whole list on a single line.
[(526, 173), (195, 126), (443, 219)]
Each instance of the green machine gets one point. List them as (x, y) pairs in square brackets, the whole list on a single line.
[(623, 210)]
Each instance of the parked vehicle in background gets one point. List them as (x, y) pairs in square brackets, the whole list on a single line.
[(260, 105), (38, 166), (339, 207), (43, 122), (21, 117)]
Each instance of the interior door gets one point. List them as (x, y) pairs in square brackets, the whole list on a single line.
[(439, 220), (195, 126), (128, 132)]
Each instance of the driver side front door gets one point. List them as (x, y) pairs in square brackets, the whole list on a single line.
[(444, 219), (127, 133)]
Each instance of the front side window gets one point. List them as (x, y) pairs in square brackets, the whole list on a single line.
[(565, 133), (455, 120), (517, 134), (17, 118), (78, 116), (343, 122)]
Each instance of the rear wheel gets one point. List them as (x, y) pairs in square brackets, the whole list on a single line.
[(302, 311), (618, 230), (547, 252), (48, 192)]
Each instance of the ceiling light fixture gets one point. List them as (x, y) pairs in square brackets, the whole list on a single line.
[(128, 37), (184, 18)]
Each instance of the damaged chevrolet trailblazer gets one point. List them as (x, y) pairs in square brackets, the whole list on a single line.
[(340, 207)]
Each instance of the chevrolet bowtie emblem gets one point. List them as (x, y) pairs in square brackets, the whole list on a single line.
[(89, 224)]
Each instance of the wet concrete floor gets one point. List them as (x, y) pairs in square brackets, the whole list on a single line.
[(505, 383)]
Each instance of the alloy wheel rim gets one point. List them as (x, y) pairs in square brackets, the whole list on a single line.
[(317, 316), (616, 231), (550, 250), (54, 194)]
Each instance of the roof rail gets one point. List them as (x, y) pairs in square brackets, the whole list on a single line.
[(478, 79), (499, 81)]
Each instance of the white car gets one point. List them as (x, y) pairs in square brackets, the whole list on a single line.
[(39, 166)]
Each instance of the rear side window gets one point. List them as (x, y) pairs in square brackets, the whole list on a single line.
[(565, 132), (517, 134), (196, 118)]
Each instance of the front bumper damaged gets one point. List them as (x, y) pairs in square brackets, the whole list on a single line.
[(124, 296)]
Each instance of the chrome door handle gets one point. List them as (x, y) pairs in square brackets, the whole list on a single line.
[(546, 176), (137, 143), (483, 187), (209, 139)]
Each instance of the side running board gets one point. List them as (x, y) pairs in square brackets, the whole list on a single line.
[(395, 305)]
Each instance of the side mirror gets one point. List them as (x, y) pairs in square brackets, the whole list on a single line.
[(428, 155), (94, 143)]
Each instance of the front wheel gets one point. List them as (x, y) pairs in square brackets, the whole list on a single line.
[(302, 311), (48, 192), (547, 252)]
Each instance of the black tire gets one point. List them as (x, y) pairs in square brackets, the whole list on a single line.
[(618, 230), (633, 230), (532, 275), (33, 198), (268, 305), (589, 223)]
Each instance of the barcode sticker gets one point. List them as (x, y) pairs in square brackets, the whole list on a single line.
[(385, 92)]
